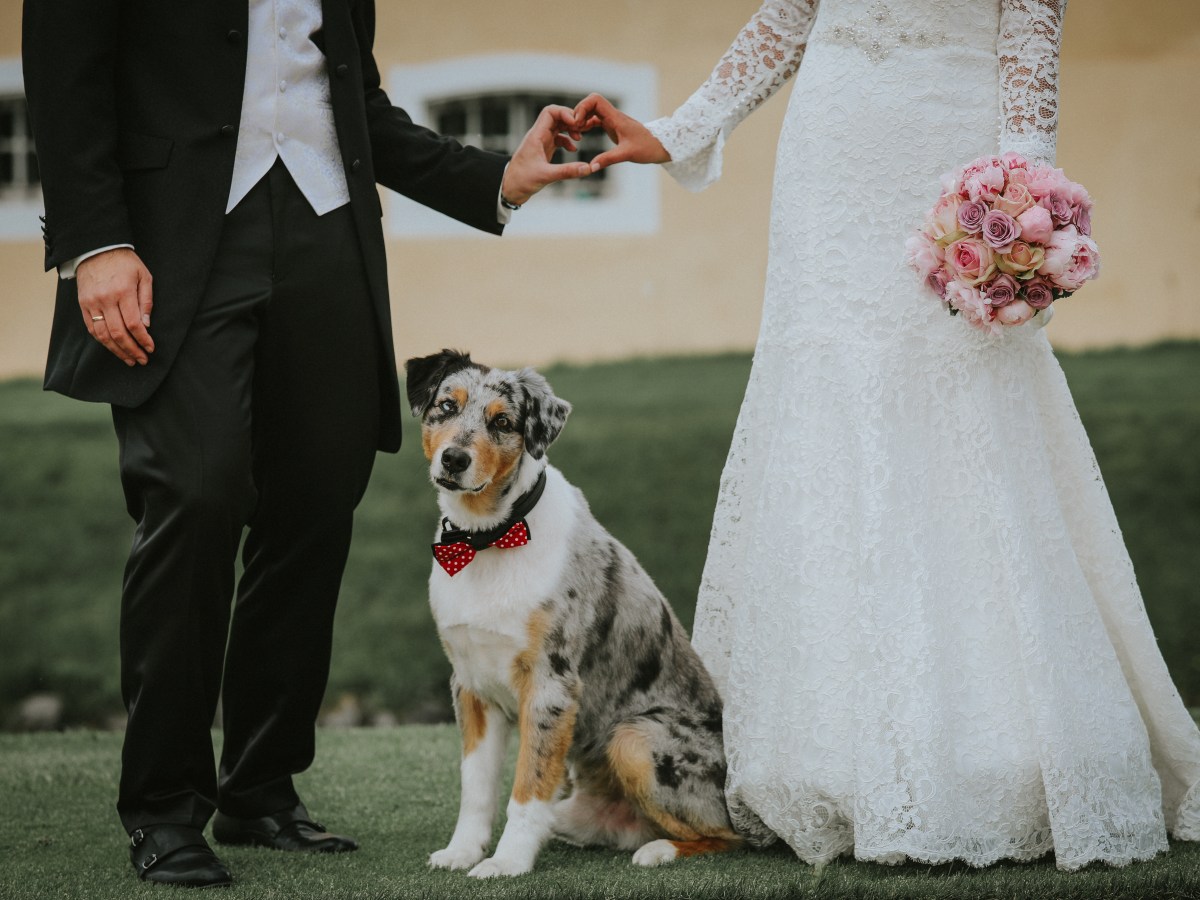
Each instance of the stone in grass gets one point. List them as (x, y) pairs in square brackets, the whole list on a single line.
[(39, 712)]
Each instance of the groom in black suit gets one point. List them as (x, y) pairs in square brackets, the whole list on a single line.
[(253, 380)]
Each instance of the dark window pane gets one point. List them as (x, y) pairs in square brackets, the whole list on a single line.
[(6, 170), (8, 117), (495, 116), (452, 119)]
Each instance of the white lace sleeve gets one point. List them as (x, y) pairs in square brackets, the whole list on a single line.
[(1028, 45), (766, 53)]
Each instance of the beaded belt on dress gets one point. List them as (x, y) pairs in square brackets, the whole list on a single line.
[(879, 31)]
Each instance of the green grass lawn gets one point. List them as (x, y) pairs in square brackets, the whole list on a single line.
[(396, 790), (646, 443)]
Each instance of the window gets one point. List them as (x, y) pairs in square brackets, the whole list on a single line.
[(18, 162), (491, 101), (20, 184), (498, 122)]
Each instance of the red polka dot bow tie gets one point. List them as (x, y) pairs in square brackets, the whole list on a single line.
[(455, 555), (458, 546)]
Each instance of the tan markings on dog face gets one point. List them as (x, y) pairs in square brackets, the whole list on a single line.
[(433, 436), (494, 463), (435, 432), (472, 720), (544, 742)]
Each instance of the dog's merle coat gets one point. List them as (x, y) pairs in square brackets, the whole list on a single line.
[(568, 637)]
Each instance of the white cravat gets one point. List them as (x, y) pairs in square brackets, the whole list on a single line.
[(286, 111)]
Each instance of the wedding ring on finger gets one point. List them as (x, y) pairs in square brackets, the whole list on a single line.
[(97, 318)]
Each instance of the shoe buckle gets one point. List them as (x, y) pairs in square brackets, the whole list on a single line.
[(136, 838), (149, 861)]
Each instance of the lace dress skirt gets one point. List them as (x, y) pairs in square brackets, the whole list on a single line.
[(917, 602)]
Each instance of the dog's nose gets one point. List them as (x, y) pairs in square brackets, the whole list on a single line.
[(455, 460)]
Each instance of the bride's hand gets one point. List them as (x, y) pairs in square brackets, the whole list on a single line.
[(634, 142)]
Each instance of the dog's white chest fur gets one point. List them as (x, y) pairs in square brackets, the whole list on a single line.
[(482, 613)]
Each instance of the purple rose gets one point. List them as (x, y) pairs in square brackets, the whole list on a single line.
[(1002, 291), (1059, 208), (937, 281), (971, 214), (1081, 218), (1038, 293), (1000, 230)]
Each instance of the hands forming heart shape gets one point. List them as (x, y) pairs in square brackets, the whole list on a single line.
[(558, 127)]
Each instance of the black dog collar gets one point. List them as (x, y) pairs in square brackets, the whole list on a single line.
[(480, 540)]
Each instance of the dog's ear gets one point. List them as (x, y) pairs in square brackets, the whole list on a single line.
[(544, 414), (424, 374)]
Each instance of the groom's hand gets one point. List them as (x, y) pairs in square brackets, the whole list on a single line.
[(115, 298), (530, 168), (634, 141)]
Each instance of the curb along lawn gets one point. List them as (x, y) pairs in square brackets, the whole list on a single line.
[(395, 789)]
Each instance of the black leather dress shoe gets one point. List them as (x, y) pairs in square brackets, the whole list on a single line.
[(289, 829), (178, 855)]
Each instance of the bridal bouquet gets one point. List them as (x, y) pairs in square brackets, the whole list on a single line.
[(1005, 240)]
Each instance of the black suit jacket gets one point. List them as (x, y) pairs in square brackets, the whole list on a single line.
[(135, 107)]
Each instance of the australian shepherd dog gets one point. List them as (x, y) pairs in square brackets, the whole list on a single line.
[(551, 625)]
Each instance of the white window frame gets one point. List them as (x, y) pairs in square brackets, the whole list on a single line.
[(631, 205), (18, 217)]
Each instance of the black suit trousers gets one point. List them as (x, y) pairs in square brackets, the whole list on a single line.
[(268, 421)]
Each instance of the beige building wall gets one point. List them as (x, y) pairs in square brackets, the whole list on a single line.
[(1130, 123)]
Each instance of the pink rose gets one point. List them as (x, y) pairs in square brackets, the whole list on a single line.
[(923, 254), (1059, 251), (937, 280), (1043, 181), (970, 216), (970, 260), (1038, 293), (1019, 176), (1059, 208), (987, 183), (1084, 265), (1013, 160), (943, 221), (975, 166), (973, 306), (1015, 200), (1016, 313), (1076, 193), (1000, 230), (1021, 261), (1081, 218), (1001, 291), (1036, 224), (951, 183)]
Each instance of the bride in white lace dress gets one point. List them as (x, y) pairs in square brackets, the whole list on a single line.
[(917, 602)]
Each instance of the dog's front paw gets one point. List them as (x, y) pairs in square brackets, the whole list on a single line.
[(491, 868), (462, 857), (655, 853)]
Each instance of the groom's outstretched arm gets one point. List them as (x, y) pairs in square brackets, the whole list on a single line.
[(439, 172)]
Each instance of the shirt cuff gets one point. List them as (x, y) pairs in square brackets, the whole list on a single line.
[(66, 271), (503, 213)]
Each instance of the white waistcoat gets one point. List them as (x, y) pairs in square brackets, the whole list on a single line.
[(286, 111)]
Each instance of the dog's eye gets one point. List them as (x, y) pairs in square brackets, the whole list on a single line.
[(447, 405), (502, 423)]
